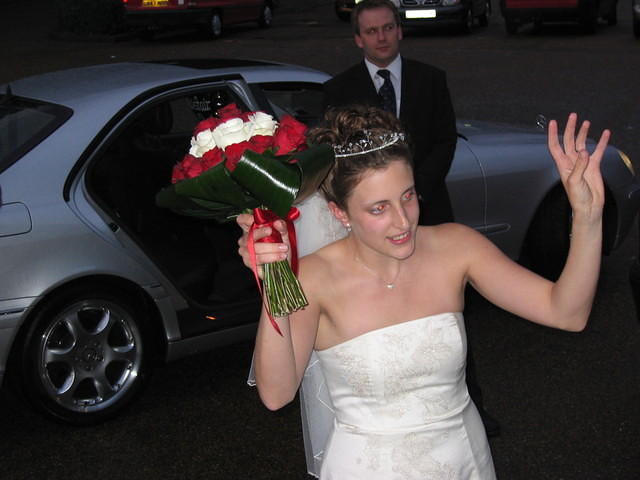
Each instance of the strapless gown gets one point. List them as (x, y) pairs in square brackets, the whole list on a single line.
[(401, 406)]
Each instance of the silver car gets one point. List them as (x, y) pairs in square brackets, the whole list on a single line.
[(98, 285)]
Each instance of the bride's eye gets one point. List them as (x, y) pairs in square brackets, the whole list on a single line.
[(378, 209), (409, 196)]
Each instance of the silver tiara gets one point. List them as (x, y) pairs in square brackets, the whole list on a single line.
[(370, 142)]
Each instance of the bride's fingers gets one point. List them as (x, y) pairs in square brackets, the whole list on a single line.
[(244, 220), (552, 135), (581, 141), (563, 163), (265, 252), (568, 137), (579, 167), (553, 141), (601, 146)]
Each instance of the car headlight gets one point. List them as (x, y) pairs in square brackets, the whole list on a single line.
[(448, 3), (627, 161)]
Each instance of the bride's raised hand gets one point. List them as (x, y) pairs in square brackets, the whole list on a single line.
[(265, 252), (579, 170)]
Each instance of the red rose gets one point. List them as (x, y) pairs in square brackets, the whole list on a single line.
[(177, 174), (212, 158), (209, 123), (234, 153), (259, 143), (290, 136), (229, 111), (191, 166)]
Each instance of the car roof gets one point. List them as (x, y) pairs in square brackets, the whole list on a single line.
[(118, 83)]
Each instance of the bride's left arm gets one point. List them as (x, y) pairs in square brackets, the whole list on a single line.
[(565, 304)]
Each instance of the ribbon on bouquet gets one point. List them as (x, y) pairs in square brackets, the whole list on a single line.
[(266, 218)]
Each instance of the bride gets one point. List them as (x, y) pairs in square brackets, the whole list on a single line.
[(383, 324)]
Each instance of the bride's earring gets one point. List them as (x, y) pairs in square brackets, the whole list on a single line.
[(348, 227)]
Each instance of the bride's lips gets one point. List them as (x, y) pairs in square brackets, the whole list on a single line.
[(400, 239)]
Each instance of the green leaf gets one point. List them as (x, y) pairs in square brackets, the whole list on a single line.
[(314, 164), (269, 180), (194, 207), (214, 185)]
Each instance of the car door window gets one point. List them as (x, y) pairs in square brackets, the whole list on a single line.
[(302, 100), (199, 256)]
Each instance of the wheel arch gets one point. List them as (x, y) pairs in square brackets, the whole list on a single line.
[(609, 218), (111, 283)]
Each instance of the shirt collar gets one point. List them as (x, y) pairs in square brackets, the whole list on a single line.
[(394, 67)]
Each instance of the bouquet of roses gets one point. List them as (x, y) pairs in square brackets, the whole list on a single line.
[(243, 161)]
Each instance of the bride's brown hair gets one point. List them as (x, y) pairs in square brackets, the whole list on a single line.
[(346, 129)]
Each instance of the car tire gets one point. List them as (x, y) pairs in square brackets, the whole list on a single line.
[(547, 242), (612, 16), (341, 14), (588, 16), (215, 25), (466, 24), (483, 19), (511, 26), (266, 17), (87, 354)]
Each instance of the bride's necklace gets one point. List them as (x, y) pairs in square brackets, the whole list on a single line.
[(390, 285)]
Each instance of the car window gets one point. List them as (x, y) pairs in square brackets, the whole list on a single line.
[(24, 123), (301, 100)]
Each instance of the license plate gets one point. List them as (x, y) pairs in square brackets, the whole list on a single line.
[(420, 13), (155, 3)]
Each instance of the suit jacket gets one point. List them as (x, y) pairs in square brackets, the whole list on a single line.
[(427, 114)]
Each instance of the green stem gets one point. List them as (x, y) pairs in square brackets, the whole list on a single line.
[(283, 291)]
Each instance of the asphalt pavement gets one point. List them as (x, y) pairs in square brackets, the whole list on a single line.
[(569, 404)]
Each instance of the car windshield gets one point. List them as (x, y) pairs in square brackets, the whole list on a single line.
[(24, 123)]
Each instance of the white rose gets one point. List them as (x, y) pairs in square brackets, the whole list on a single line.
[(261, 123), (202, 143), (230, 132)]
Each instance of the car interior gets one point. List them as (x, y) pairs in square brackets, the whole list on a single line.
[(198, 256)]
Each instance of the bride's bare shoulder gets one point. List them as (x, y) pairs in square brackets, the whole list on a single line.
[(447, 236), (323, 260)]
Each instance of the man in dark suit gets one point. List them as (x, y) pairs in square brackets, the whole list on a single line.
[(422, 101), (418, 94)]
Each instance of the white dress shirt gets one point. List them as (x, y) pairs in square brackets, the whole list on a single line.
[(395, 68)]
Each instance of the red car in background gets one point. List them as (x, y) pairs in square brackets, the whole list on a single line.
[(585, 12), (211, 16)]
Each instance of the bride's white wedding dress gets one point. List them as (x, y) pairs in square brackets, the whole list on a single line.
[(402, 410), (391, 403)]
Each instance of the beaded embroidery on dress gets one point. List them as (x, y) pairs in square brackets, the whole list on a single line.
[(402, 410)]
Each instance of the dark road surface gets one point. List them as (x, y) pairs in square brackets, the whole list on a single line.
[(569, 404)]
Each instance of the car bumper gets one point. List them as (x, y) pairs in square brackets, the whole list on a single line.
[(165, 18), (557, 14), (566, 11), (433, 15), (11, 317)]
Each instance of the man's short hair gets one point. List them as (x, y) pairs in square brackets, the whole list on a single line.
[(369, 5)]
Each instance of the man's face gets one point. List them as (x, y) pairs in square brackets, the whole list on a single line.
[(379, 36)]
